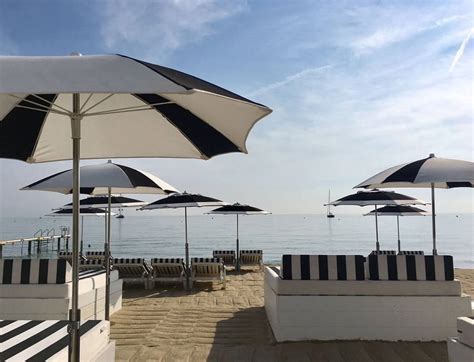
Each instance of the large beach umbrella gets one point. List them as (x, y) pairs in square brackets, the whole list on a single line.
[(115, 202), (105, 178), (184, 200), (84, 211), (376, 198), (238, 209), (398, 210), (116, 106), (431, 172)]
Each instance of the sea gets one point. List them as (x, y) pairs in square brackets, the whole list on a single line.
[(163, 235)]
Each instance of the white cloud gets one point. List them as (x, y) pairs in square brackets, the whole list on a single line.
[(157, 28), (460, 51)]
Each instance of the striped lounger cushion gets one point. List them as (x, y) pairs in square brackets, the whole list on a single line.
[(323, 267), (223, 252), (410, 267), (65, 254), (35, 271), (258, 252), (95, 253), (410, 252), (383, 252), (36, 340), (166, 261), (206, 260)]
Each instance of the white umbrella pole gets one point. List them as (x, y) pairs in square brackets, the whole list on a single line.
[(186, 247), (238, 255), (75, 317), (81, 251), (398, 231), (377, 245), (433, 218), (107, 258)]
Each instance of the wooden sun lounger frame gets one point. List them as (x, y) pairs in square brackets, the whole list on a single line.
[(208, 270), (167, 271), (251, 258), (142, 274)]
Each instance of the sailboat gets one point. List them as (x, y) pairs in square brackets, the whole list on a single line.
[(329, 214)]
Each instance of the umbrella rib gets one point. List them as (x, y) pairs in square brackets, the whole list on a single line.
[(42, 108), (128, 109), (95, 105), (52, 104), (87, 100)]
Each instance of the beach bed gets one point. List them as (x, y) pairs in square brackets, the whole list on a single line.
[(251, 258), (41, 289), (26, 340), (389, 297), (228, 256), (167, 270), (207, 269), (133, 270)]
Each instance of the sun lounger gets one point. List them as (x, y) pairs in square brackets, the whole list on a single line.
[(167, 270), (41, 289), (207, 269), (251, 258), (27, 340), (95, 255), (91, 264), (132, 270), (410, 252), (387, 297), (228, 256), (67, 255)]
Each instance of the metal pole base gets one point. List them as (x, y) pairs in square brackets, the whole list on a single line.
[(74, 337), (435, 252)]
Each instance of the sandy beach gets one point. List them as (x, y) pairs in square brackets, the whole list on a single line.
[(168, 324)]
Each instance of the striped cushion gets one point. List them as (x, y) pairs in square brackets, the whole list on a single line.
[(323, 267), (410, 267), (88, 253), (128, 261), (206, 260), (383, 252), (35, 271), (411, 252), (167, 261), (223, 252), (251, 252), (92, 262), (65, 254)]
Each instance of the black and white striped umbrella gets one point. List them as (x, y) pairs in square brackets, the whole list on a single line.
[(376, 198), (431, 172), (398, 210), (184, 200), (89, 211), (113, 106), (103, 201), (97, 179), (238, 209)]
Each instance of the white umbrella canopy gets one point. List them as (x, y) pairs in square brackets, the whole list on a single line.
[(431, 172), (398, 210), (238, 209), (184, 200), (114, 106), (376, 197)]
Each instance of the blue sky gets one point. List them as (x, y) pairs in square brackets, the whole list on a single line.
[(356, 87)]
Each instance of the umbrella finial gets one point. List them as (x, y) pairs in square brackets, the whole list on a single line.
[(432, 155)]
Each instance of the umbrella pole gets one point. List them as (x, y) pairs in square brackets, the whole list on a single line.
[(186, 247), (74, 317), (82, 236), (433, 218), (107, 259), (377, 245), (238, 255), (398, 231)]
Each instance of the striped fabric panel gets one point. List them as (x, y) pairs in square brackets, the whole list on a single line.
[(167, 270), (206, 260), (36, 340), (323, 267), (383, 252), (35, 271), (208, 269), (223, 252), (251, 252), (95, 253), (410, 267), (128, 261), (92, 262), (411, 252), (166, 261)]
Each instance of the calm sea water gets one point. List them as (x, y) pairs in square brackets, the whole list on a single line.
[(163, 236)]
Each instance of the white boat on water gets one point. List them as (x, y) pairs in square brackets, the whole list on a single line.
[(329, 214)]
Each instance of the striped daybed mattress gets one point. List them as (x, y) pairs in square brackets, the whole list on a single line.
[(381, 297), (33, 340), (40, 289)]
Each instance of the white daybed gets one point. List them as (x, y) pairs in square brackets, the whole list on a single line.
[(40, 289), (329, 297), (25, 340)]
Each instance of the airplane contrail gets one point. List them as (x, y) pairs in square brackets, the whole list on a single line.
[(461, 50)]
